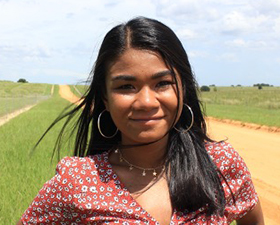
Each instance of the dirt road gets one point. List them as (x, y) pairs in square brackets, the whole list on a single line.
[(259, 148), (261, 151), (66, 93)]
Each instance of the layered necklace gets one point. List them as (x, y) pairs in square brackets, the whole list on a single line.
[(132, 166)]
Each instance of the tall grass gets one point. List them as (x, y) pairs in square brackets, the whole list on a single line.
[(79, 90), (14, 96), (247, 104), (22, 175)]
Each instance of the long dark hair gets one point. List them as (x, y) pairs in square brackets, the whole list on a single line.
[(193, 178)]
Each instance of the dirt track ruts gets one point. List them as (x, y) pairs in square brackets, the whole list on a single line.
[(259, 148)]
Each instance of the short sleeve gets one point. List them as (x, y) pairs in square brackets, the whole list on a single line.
[(53, 203), (240, 193)]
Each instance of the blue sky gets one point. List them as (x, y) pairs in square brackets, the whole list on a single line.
[(229, 42)]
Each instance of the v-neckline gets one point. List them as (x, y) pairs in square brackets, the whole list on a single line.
[(114, 177)]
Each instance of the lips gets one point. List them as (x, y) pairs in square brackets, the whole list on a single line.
[(146, 118)]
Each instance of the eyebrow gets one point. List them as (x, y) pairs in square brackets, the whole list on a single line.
[(133, 78)]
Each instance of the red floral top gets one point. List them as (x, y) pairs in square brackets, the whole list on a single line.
[(87, 191)]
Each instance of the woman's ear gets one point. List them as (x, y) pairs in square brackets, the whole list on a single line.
[(105, 102), (106, 105)]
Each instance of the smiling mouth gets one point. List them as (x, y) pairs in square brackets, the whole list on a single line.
[(146, 119)]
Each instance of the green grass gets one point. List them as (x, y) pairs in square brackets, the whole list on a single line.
[(11, 89), (21, 176), (78, 90), (14, 96), (246, 104)]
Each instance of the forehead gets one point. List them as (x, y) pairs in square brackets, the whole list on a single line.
[(138, 61)]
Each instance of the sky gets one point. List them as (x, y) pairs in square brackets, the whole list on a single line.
[(229, 42)]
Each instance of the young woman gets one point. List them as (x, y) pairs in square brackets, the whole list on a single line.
[(142, 155)]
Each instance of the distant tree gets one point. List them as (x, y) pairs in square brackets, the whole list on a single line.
[(262, 84), (204, 88), (259, 87), (21, 80), (212, 85), (238, 85), (232, 85)]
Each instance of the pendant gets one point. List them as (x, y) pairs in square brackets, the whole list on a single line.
[(154, 173), (144, 173), (130, 167)]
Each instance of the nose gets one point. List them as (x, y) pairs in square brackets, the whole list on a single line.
[(146, 99)]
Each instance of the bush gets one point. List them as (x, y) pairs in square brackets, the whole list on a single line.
[(205, 88), (21, 80), (262, 84)]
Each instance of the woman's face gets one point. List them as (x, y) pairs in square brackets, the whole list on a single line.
[(141, 96)]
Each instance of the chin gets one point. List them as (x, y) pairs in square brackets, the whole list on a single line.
[(145, 139)]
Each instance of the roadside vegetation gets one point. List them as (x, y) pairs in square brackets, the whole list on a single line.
[(79, 90), (15, 96), (22, 174), (246, 104)]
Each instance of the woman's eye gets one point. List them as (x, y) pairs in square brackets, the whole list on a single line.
[(125, 87), (164, 83)]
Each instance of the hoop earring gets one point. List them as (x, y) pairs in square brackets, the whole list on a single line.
[(192, 121), (99, 127)]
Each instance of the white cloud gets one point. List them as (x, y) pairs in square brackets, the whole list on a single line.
[(198, 54), (236, 43), (61, 37), (25, 52), (251, 44), (277, 60), (187, 34), (271, 7), (235, 22), (229, 57)]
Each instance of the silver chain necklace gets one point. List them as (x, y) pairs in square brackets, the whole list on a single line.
[(132, 166)]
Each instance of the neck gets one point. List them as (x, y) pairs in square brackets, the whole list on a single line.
[(146, 156)]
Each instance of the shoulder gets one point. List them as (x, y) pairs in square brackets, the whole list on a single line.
[(230, 165), (236, 180), (215, 149), (224, 156), (79, 165)]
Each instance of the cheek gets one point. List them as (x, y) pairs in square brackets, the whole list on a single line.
[(119, 107)]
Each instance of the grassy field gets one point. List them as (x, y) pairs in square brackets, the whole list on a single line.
[(21, 176), (14, 96), (247, 104)]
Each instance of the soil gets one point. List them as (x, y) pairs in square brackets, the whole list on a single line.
[(66, 93), (258, 146), (6, 118)]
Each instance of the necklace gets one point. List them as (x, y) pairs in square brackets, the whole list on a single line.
[(132, 166)]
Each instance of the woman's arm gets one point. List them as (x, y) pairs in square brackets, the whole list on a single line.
[(254, 217)]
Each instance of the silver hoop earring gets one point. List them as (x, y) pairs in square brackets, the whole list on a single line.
[(192, 121), (99, 127)]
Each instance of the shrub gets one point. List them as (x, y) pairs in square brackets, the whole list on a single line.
[(21, 80), (204, 88)]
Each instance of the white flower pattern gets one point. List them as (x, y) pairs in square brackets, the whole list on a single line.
[(87, 191)]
